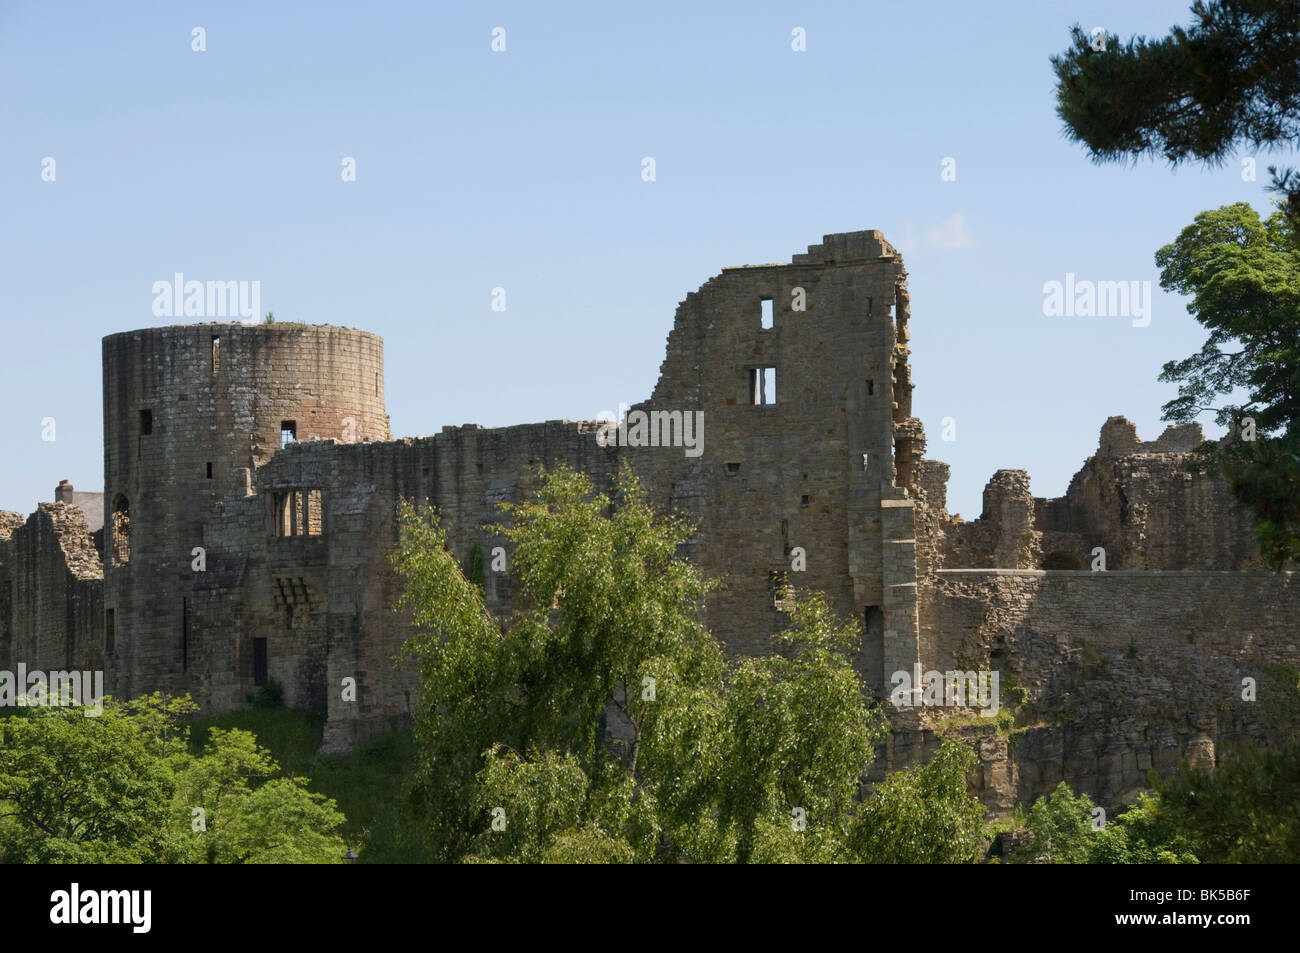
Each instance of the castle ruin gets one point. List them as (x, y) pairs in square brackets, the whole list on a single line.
[(251, 486)]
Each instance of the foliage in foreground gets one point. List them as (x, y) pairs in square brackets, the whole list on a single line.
[(1230, 79), (1246, 812), (601, 722), (124, 787), (1243, 276)]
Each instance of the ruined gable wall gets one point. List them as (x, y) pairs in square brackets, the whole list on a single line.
[(793, 474), (57, 591), (9, 522), (1146, 505)]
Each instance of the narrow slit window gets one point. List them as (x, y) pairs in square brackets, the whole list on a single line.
[(767, 314), (216, 353), (259, 661), (209, 471), (110, 631), (871, 386), (121, 531), (315, 525), (146, 422), (762, 385), (781, 591), (280, 513), (288, 432)]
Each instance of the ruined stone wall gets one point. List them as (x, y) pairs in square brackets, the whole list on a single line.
[(810, 470), (9, 522), (1113, 671), (465, 472), (767, 478), (1145, 504), (813, 469), (56, 597), (91, 504), (1005, 535), (1110, 674)]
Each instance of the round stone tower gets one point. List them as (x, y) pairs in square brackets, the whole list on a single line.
[(190, 412)]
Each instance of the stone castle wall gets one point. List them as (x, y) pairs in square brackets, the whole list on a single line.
[(56, 598), (1112, 673), (8, 523), (215, 580), (227, 559)]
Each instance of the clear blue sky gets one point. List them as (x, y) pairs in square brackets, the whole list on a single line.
[(522, 170)]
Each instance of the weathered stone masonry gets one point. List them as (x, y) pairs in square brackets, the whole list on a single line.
[(251, 485)]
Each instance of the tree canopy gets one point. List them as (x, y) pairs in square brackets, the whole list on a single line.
[(1243, 278), (1231, 78), (602, 721)]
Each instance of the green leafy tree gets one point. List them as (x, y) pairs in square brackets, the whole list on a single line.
[(1243, 276), (1246, 812), (124, 787), (796, 734), (1060, 829), (85, 789), (602, 723), (922, 815), (1145, 834), (250, 813), (606, 603), (1230, 78), (281, 822)]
